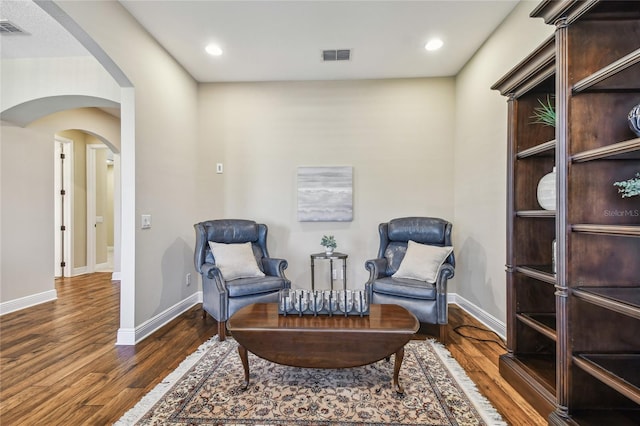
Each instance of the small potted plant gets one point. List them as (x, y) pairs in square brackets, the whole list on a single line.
[(545, 113), (329, 243), (629, 187)]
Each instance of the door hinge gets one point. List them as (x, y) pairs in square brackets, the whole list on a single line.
[(63, 228), (63, 264), (63, 192), (62, 156)]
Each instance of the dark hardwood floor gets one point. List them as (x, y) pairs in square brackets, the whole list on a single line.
[(59, 364)]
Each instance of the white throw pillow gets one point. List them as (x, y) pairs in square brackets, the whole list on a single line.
[(235, 260), (422, 262)]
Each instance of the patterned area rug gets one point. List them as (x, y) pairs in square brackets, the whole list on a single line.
[(206, 390)]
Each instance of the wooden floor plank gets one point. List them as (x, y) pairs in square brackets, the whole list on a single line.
[(59, 364), (480, 361)]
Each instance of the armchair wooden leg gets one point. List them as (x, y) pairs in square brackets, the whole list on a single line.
[(442, 333), (222, 330)]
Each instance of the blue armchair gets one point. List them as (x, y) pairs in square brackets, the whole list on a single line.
[(426, 300), (221, 298)]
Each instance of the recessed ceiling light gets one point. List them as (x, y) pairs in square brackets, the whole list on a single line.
[(433, 44), (213, 50)]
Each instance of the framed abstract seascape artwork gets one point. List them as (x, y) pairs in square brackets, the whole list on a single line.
[(325, 194)]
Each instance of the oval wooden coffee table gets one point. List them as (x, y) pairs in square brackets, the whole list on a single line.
[(323, 341)]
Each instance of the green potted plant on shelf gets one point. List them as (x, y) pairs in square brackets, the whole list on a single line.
[(629, 187), (545, 113), (329, 243)]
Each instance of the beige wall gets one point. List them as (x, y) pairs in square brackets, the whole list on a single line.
[(480, 160), (397, 135), (26, 227)]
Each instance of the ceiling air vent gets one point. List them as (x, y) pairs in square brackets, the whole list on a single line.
[(336, 55), (9, 28)]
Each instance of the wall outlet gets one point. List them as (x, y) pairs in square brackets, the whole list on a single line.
[(187, 279)]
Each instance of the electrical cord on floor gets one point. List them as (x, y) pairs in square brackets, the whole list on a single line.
[(499, 341)]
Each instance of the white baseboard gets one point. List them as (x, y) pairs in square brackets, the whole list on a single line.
[(132, 336), (79, 271), (27, 301), (126, 337), (475, 311), (116, 276), (101, 266)]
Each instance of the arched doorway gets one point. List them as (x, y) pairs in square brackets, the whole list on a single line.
[(84, 204)]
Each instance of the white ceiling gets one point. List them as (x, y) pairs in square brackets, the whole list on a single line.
[(44, 38), (282, 40)]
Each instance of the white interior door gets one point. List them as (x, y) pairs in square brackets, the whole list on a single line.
[(63, 202), (99, 209)]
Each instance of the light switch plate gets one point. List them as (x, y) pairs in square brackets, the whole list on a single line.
[(146, 221), (219, 168)]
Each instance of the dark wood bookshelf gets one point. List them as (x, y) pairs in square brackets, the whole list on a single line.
[(542, 322), (622, 230), (573, 346), (606, 417), (625, 300), (542, 369), (631, 148), (539, 272), (546, 149), (616, 69), (618, 371), (551, 214)]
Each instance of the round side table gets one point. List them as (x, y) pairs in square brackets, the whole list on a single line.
[(331, 257)]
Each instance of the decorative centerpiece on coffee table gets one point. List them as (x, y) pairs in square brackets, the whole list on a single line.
[(329, 302)]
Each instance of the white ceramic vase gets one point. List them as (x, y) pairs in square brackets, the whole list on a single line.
[(634, 119), (547, 191)]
